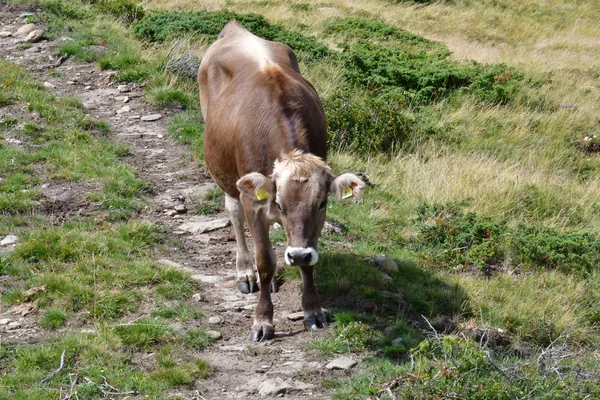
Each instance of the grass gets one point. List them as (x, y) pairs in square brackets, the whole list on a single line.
[(471, 121)]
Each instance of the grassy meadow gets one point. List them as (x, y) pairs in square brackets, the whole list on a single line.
[(476, 124)]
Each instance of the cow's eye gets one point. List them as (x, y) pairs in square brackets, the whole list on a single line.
[(323, 204)]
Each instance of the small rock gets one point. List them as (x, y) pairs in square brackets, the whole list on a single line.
[(123, 110), (88, 87), (123, 99), (171, 213), (71, 82), (169, 263), (277, 226), (25, 30), (297, 316), (8, 240), (123, 88), (35, 36), (14, 325), (198, 297), (397, 341), (180, 208), (274, 387), (4, 34), (385, 277), (386, 264), (4, 321), (195, 226), (49, 85), (160, 136), (26, 14), (13, 141), (214, 320), (151, 117), (207, 278), (344, 363), (88, 330), (214, 335)]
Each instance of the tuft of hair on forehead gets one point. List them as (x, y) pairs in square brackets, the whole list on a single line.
[(299, 165)]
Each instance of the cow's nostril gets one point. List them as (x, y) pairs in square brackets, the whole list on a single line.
[(307, 258), (290, 257)]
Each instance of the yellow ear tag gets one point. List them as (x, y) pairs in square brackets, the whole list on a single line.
[(262, 194), (347, 193)]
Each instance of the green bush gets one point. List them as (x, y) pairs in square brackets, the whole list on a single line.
[(162, 26), (125, 10), (426, 77)]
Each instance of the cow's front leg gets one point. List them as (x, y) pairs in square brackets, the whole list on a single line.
[(266, 264), (314, 318), (246, 279)]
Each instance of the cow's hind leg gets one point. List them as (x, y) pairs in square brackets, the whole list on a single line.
[(246, 279), (266, 264), (314, 318)]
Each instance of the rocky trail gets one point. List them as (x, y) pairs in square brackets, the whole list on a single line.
[(205, 245)]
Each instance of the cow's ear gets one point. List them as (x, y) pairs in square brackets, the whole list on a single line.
[(346, 186), (255, 185)]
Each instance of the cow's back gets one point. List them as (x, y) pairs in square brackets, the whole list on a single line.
[(256, 105)]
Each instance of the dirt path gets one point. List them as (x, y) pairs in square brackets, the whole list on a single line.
[(241, 368)]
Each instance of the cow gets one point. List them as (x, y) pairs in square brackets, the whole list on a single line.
[(265, 146)]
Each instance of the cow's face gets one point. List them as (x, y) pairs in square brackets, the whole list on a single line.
[(296, 195)]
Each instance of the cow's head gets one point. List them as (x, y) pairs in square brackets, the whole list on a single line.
[(296, 195)]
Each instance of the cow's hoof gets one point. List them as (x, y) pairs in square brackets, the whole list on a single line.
[(315, 322), (259, 335), (247, 286)]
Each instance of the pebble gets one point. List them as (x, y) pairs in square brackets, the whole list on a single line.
[(180, 208), (214, 335), (25, 29), (169, 263), (88, 87), (201, 225), (123, 110), (4, 321), (123, 89), (386, 264), (171, 213), (134, 117), (4, 34), (160, 136), (274, 387), (35, 36), (14, 325), (344, 363), (8, 240), (49, 85), (123, 99), (26, 14), (214, 320), (151, 117), (198, 297), (297, 316), (397, 341)]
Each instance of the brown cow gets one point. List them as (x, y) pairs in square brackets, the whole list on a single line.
[(265, 146)]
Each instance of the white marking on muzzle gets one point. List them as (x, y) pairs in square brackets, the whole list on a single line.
[(298, 255)]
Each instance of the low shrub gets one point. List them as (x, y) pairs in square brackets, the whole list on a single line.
[(162, 26)]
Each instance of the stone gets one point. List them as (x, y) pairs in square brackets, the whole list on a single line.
[(123, 89), (14, 325), (13, 141), (297, 316), (274, 387), (343, 363), (151, 117), (123, 99), (88, 87), (160, 136), (4, 34), (35, 36), (198, 297), (214, 335), (123, 110), (397, 341), (207, 278), (195, 226), (180, 208), (25, 30), (4, 321), (8, 240), (214, 320), (49, 85), (169, 263), (386, 264), (171, 213)]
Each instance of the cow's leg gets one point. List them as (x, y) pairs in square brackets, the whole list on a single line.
[(246, 279), (266, 264), (313, 314)]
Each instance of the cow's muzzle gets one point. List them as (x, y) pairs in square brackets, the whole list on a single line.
[(301, 256)]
